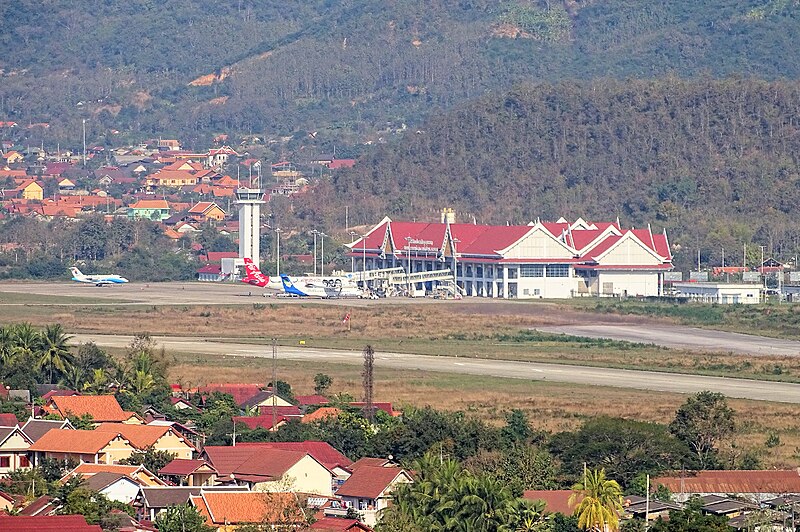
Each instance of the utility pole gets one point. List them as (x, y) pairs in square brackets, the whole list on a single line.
[(84, 143), (368, 382), (278, 252), (352, 256)]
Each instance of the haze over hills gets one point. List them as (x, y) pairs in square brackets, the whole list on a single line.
[(346, 68), (534, 123)]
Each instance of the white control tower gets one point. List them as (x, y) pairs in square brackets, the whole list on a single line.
[(249, 201)]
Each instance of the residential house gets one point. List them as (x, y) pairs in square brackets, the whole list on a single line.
[(102, 408), (369, 492), (555, 501), (170, 179), (157, 210), (305, 401), (115, 486), (225, 510), (93, 446), (219, 156), (66, 185), (154, 500), (265, 468), (190, 472), (206, 211), (251, 394), (753, 485), (640, 508), (266, 422), (169, 145), (323, 452), (36, 428), (7, 502), (49, 523), (13, 157), (160, 438), (44, 505), (29, 189), (326, 412), (186, 431), (139, 473), (14, 446)]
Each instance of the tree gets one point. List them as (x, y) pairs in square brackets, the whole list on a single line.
[(517, 428), (181, 518), (701, 422), (597, 501), (321, 383), (150, 458), (55, 352)]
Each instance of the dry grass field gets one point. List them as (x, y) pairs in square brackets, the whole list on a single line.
[(551, 407)]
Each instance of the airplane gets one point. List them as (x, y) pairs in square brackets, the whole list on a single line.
[(97, 279), (254, 276), (324, 287)]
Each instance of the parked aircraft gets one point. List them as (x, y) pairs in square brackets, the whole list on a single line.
[(96, 279), (254, 276), (325, 287)]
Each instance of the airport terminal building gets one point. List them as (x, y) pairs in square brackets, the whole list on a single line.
[(539, 260)]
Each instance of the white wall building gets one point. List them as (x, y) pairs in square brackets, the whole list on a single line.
[(726, 294), (538, 260), (249, 201)]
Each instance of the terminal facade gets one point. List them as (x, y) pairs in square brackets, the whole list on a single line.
[(539, 260)]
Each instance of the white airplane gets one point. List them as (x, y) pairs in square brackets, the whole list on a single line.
[(254, 276), (324, 287), (97, 279)]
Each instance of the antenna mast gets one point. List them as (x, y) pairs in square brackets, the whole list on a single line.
[(274, 381)]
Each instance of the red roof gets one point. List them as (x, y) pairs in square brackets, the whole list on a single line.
[(8, 420), (217, 256), (235, 507), (257, 462), (341, 163), (369, 482), (758, 481), (555, 501), (240, 392), (73, 441), (260, 422), (322, 451), (183, 467), (309, 400), (49, 523)]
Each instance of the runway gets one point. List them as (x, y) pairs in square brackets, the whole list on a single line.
[(690, 338), (582, 375)]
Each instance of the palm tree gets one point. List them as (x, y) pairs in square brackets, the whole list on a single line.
[(25, 339), (141, 382), (6, 345), (54, 349), (601, 502)]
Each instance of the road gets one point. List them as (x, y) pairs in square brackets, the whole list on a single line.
[(678, 337), (618, 378)]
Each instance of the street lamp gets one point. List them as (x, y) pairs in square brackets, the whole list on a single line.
[(278, 232), (315, 233), (455, 262), (322, 254)]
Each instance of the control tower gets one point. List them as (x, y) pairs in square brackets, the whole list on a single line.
[(249, 201)]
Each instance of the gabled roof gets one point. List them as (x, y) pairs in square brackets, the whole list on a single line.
[(43, 505), (100, 407), (183, 467), (140, 436), (309, 400), (372, 462), (101, 481), (258, 463), (137, 472), (73, 441), (321, 451), (324, 412), (260, 422), (36, 428), (7, 432), (240, 392), (370, 482), (251, 507)]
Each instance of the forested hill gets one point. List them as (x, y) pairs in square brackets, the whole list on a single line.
[(714, 161), (346, 68)]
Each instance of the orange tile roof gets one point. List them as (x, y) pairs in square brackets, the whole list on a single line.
[(555, 501), (140, 436), (73, 441), (100, 407), (150, 204), (321, 413), (252, 507)]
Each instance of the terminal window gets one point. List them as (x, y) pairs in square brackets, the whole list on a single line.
[(558, 270), (531, 270)]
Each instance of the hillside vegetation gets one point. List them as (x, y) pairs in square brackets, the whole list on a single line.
[(713, 161), (347, 68)]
